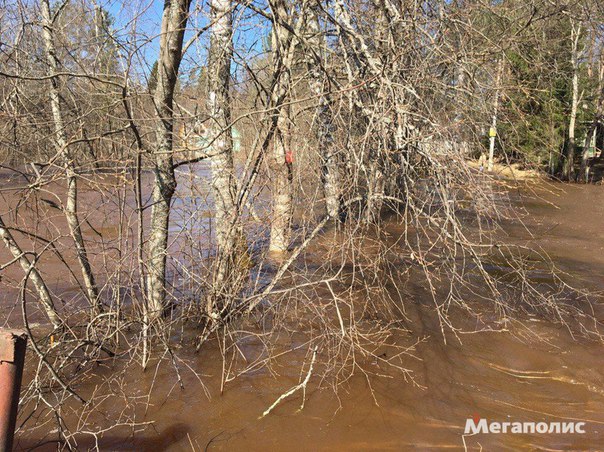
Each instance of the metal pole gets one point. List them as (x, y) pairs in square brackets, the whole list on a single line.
[(12, 358)]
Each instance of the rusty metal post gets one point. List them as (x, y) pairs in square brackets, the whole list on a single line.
[(12, 358)]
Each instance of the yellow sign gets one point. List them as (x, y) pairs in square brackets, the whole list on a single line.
[(492, 132)]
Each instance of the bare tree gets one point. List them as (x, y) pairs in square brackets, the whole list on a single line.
[(493, 130), (569, 167), (362, 62), (392, 94), (320, 87), (174, 21), (283, 44), (62, 147), (229, 235)]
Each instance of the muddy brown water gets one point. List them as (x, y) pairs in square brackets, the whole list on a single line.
[(499, 376)]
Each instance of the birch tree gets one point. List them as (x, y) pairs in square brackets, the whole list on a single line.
[(229, 235), (319, 85), (62, 148), (283, 45), (174, 21), (493, 130), (569, 167), (360, 62)]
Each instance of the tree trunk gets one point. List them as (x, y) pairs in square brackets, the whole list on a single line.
[(282, 190), (32, 272), (493, 131), (358, 55), (592, 133), (330, 176), (569, 167), (281, 166), (229, 235), (71, 206), (174, 21)]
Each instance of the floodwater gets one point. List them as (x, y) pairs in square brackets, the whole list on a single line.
[(504, 376)]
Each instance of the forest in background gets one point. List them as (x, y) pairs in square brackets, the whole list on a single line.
[(224, 174)]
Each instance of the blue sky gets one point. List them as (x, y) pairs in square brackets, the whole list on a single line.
[(145, 16)]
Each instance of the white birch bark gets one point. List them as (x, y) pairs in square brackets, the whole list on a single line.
[(43, 293), (71, 205), (357, 50), (229, 237), (492, 136), (330, 176), (174, 21), (281, 171), (569, 167)]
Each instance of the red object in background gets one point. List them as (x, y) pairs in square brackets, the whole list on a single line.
[(289, 157)]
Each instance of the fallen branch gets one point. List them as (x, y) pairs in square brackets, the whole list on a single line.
[(301, 385)]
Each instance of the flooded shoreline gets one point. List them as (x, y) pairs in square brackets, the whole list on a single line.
[(528, 371), (291, 225)]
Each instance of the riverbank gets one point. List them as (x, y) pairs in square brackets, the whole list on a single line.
[(515, 171)]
